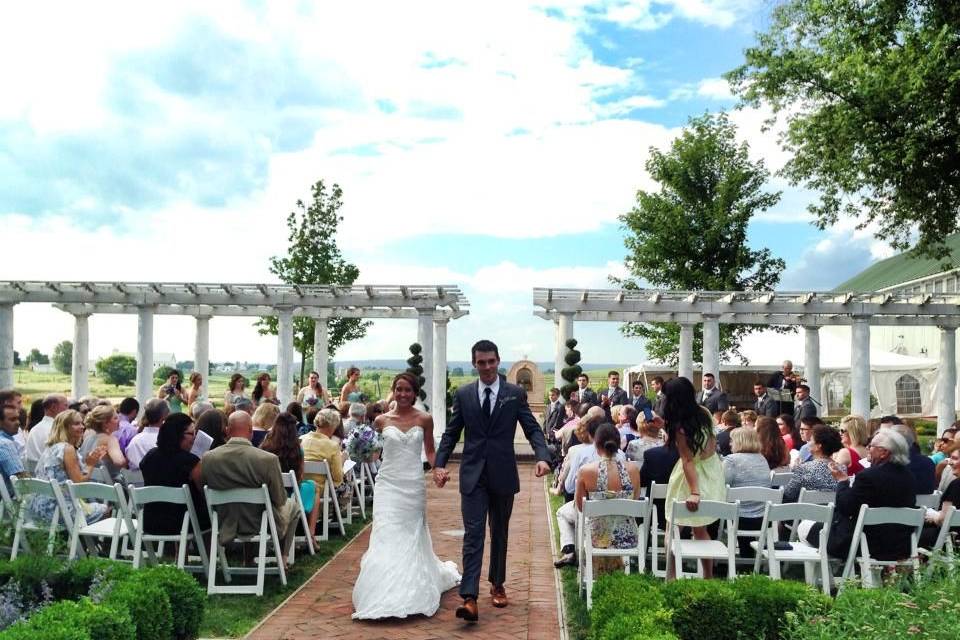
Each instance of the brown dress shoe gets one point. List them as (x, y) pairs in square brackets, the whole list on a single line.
[(468, 610), (499, 596)]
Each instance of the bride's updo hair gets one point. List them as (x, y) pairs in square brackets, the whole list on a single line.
[(410, 379), (607, 439)]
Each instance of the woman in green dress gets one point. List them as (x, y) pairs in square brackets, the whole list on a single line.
[(698, 474)]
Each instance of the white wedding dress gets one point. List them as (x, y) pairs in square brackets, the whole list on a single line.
[(400, 575)]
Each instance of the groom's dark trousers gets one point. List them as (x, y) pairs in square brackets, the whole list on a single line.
[(476, 506)]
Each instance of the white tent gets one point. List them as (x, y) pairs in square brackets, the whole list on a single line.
[(890, 373)]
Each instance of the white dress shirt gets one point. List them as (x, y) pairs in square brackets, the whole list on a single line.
[(37, 439), (494, 391), (140, 445)]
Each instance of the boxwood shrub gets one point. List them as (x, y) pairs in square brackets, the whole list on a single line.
[(187, 598), (767, 602), (69, 620), (148, 604)]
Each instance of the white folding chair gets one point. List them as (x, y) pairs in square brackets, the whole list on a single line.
[(882, 515), (746, 495), (942, 550), (705, 549), (800, 551), (780, 478), (638, 509), (267, 533), (8, 507), (190, 530), (117, 526), (657, 532), (290, 482), (368, 475), (929, 500), (811, 496), (328, 496), (134, 477), (26, 489), (358, 496)]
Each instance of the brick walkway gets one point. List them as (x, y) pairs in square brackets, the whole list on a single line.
[(322, 608)]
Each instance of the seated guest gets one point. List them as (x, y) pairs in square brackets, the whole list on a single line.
[(102, 423), (806, 434), (263, 419), (815, 475), (570, 421), (922, 467), (626, 424), (318, 445), (578, 456), (658, 464), (59, 462), (374, 409), (772, 446), (154, 413), (789, 432), (748, 419), (170, 464), (36, 416), (589, 413), (10, 462), (855, 435), (238, 465), (245, 405), (282, 441), (129, 408), (296, 410), (199, 408), (53, 405), (214, 424), (649, 437), (939, 449), (728, 422), (950, 498), (355, 417), (746, 467), (886, 483)]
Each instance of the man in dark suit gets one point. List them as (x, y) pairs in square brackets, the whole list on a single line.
[(784, 380), (657, 384), (803, 407), (711, 396), (922, 467), (584, 394), (613, 394), (488, 410), (658, 464), (765, 405), (639, 398), (555, 412)]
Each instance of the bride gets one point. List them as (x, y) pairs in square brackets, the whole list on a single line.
[(400, 575)]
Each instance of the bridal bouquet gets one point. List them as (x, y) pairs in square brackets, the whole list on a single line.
[(363, 444)]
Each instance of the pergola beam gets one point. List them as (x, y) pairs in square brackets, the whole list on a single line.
[(255, 311), (800, 320)]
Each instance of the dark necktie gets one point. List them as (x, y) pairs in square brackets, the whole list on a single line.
[(487, 392)]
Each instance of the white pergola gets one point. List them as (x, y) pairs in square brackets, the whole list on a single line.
[(810, 310), (433, 306)]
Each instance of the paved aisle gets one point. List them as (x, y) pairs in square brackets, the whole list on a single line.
[(322, 608)]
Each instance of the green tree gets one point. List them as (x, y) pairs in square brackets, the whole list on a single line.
[(63, 357), (457, 371), (691, 234), (117, 369), (871, 96), (35, 357), (313, 258), (161, 373)]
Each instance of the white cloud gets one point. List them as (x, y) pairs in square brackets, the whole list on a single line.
[(714, 88)]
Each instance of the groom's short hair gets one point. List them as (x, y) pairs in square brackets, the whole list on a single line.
[(484, 346)]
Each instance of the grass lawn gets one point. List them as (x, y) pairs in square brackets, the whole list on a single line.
[(232, 616), (578, 618)]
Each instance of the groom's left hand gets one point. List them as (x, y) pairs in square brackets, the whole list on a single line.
[(543, 469)]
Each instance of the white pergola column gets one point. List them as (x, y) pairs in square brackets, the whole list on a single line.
[(439, 408), (425, 339), (201, 353), (947, 379), (564, 333), (811, 366), (144, 354), (6, 345), (711, 345), (860, 366), (80, 371), (284, 355), (685, 368), (321, 346)]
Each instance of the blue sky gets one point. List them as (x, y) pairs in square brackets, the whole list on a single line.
[(491, 146)]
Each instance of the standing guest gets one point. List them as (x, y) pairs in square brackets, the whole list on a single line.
[(638, 397), (746, 467), (318, 446), (660, 399), (238, 465), (263, 419), (772, 446), (584, 395), (855, 435), (803, 407), (699, 474), (195, 393), (748, 419), (351, 388), (806, 434), (313, 395), (60, 462), (613, 395), (170, 464), (784, 380), (789, 431), (262, 392), (235, 391), (129, 408), (711, 396), (729, 421), (765, 405), (53, 405), (36, 415), (101, 426), (922, 467), (554, 413), (816, 474), (154, 413), (10, 462), (282, 441), (172, 391), (649, 438), (214, 424)]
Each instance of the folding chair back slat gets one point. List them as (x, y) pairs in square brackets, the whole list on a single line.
[(929, 500), (636, 510), (780, 478), (25, 489), (616, 507), (800, 551)]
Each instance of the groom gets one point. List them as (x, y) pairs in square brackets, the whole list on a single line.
[(489, 410)]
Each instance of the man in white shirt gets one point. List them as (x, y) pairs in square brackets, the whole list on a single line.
[(154, 412), (37, 439)]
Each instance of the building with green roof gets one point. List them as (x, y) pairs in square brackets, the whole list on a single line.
[(906, 273)]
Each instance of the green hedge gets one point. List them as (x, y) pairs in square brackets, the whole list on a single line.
[(157, 603)]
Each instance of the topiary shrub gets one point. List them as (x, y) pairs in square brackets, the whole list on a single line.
[(148, 604), (767, 602), (572, 371), (187, 598), (415, 367), (704, 609)]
